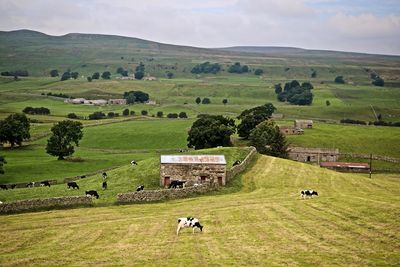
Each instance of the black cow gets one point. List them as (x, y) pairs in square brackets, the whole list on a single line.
[(237, 162), (45, 183), (104, 185), (176, 184), (73, 185), (139, 188), (3, 186), (12, 186), (308, 193), (92, 193)]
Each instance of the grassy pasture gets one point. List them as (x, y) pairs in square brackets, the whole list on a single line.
[(123, 179), (354, 222)]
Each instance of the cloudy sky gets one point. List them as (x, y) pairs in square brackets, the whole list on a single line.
[(371, 26)]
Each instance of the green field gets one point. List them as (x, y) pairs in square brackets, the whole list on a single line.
[(353, 222)]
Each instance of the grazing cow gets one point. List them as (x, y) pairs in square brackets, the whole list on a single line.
[(92, 193), (83, 176), (237, 162), (104, 176), (176, 184), (104, 185), (140, 188), (308, 193), (133, 162), (3, 186), (188, 222), (30, 185), (45, 183), (72, 185), (12, 186)]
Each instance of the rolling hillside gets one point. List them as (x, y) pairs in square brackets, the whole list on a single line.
[(353, 222)]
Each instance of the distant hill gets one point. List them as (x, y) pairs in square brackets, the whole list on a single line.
[(39, 53)]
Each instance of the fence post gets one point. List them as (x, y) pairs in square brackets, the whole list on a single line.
[(370, 165)]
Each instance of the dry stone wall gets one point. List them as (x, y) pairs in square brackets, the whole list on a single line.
[(235, 170), (45, 203)]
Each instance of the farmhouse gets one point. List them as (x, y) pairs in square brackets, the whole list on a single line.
[(346, 166), (290, 130), (303, 124), (117, 101), (193, 169), (318, 155)]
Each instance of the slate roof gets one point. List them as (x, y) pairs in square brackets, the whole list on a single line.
[(193, 159)]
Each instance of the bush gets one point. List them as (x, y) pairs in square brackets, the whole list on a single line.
[(144, 112), (125, 112), (237, 68), (132, 113), (353, 121), (206, 67), (98, 115), (258, 72), (111, 114), (206, 101), (339, 79), (172, 115), (182, 115), (36, 111), (160, 114), (72, 116), (295, 93), (378, 81)]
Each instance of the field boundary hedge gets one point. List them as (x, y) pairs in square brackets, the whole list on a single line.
[(44, 203)]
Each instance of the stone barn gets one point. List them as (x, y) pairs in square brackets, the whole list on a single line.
[(303, 124), (193, 169), (290, 130), (304, 154)]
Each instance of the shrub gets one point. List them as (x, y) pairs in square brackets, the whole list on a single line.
[(97, 115), (38, 111), (111, 114), (339, 79), (160, 114), (144, 112), (353, 121), (206, 101), (258, 72), (182, 115), (172, 115), (206, 67), (72, 116), (125, 112), (132, 113)]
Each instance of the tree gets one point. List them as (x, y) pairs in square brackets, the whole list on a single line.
[(110, 114), (160, 114), (74, 75), (237, 68), (183, 115), (120, 70), (206, 67), (206, 101), (54, 73), (14, 129), (328, 103), (144, 112), (169, 75), (225, 101), (258, 72), (139, 75), (125, 112), (378, 81), (278, 88), (198, 100), (97, 115), (132, 113), (89, 79), (211, 131), (339, 79), (136, 96), (96, 76), (172, 115), (106, 75), (64, 133), (250, 118), (66, 76), (313, 74), (295, 93), (72, 116), (2, 162), (267, 139)]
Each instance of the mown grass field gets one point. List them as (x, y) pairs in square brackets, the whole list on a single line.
[(353, 222)]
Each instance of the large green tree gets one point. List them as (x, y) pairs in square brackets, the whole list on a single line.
[(14, 129), (136, 96), (250, 118), (211, 131), (64, 133), (267, 139)]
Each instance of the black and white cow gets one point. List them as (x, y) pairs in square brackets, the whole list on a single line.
[(133, 162), (176, 184), (237, 162), (188, 222), (140, 188), (104, 185), (73, 185), (3, 186), (45, 183), (92, 193), (308, 193), (30, 185)]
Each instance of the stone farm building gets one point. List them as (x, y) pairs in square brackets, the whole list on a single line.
[(193, 169), (121, 101), (303, 124), (317, 155), (290, 130), (346, 166)]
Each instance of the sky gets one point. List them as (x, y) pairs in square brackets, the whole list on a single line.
[(367, 26)]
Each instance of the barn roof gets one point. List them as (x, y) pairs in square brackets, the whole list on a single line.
[(345, 165), (193, 159)]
